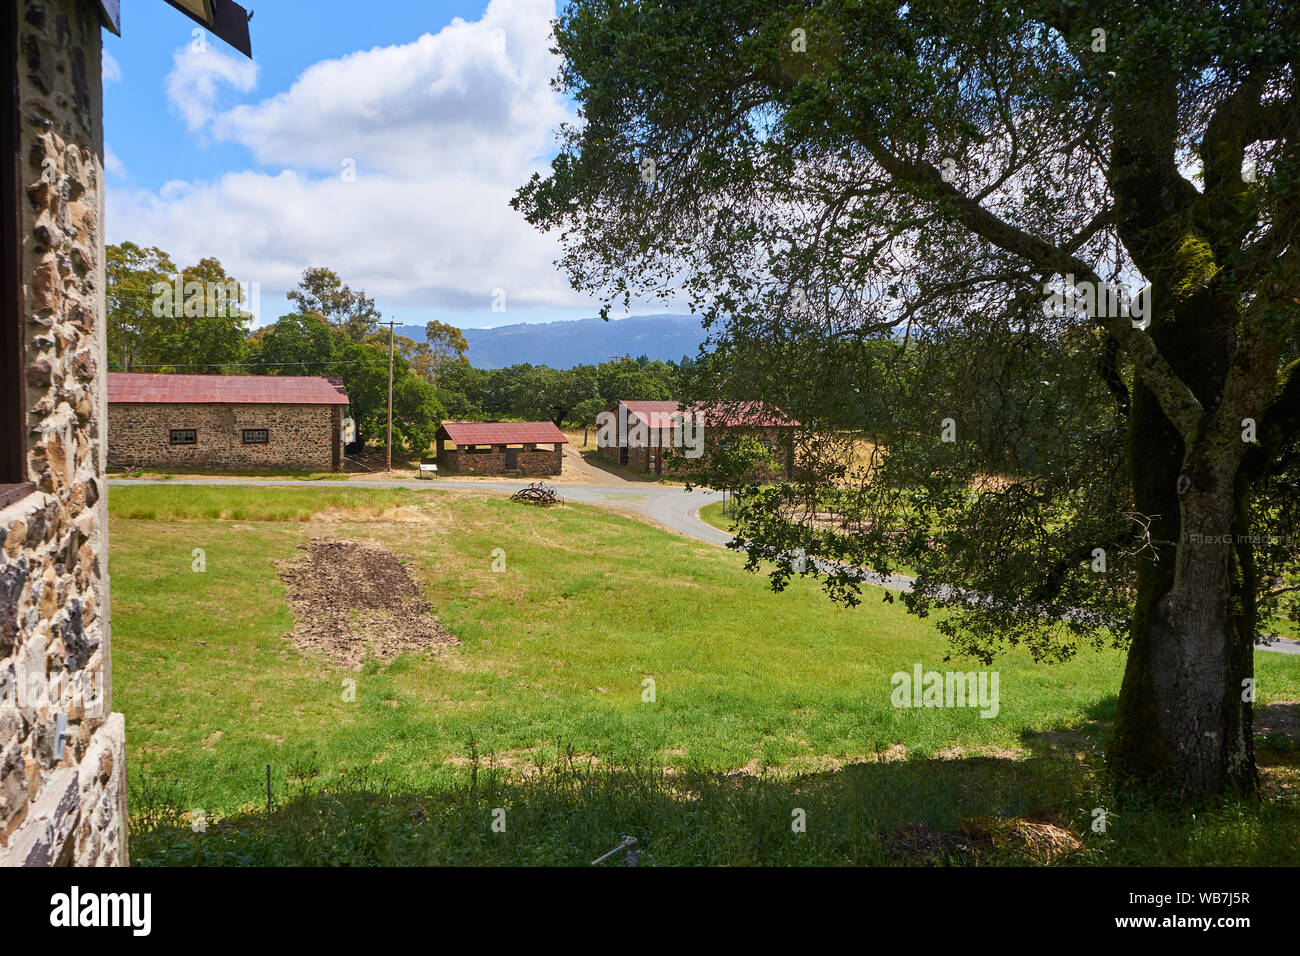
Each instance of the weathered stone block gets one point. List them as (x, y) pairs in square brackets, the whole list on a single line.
[(13, 578), (42, 838)]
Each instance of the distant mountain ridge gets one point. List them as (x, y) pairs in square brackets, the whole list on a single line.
[(579, 341)]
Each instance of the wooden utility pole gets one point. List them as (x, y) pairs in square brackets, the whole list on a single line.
[(389, 456)]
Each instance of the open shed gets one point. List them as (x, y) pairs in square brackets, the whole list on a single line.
[(501, 448)]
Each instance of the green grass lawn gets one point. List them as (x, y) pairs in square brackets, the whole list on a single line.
[(763, 703), (712, 514)]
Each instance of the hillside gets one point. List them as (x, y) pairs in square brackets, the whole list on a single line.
[(565, 344)]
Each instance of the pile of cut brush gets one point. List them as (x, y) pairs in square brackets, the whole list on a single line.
[(537, 494)]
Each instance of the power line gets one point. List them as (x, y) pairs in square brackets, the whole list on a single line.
[(244, 364)]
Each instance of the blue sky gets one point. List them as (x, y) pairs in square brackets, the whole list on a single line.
[(380, 139)]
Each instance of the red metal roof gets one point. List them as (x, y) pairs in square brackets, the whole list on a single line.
[(151, 387), (501, 433), (753, 414), (654, 414)]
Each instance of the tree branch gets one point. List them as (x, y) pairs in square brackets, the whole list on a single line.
[(1177, 401)]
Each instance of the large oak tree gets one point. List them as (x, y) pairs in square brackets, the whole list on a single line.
[(819, 177)]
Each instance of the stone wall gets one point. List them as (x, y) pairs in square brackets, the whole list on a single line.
[(299, 436), (660, 442), (62, 757), (539, 461)]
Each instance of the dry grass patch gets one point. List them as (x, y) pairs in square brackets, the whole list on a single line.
[(1035, 841)]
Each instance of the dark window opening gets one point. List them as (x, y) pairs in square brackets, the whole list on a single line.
[(184, 436), (256, 436), (14, 482)]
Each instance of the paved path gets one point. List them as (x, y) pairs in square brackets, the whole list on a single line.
[(669, 505)]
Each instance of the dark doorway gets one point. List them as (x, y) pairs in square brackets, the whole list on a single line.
[(13, 416), (512, 459)]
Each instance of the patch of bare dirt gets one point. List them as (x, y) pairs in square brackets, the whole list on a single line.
[(526, 763), (975, 753), (919, 843), (348, 597), (1043, 842)]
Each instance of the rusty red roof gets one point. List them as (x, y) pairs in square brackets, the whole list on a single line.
[(753, 414), (654, 414), (501, 433), (152, 387)]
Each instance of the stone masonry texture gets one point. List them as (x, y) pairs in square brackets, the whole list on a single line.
[(298, 436), (660, 443), (533, 461), (62, 753)]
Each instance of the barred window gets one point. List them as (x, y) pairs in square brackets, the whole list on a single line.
[(256, 436), (184, 436)]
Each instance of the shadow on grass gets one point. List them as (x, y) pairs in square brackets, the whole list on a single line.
[(1038, 810), (1090, 736)]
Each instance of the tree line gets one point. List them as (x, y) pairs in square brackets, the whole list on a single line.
[(195, 320)]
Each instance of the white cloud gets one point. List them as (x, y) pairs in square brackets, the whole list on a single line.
[(449, 249), (196, 81), (113, 165), (475, 96), (112, 70), (442, 130)]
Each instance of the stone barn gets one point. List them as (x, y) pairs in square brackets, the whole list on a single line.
[(647, 435), (225, 421), (62, 748), (501, 448)]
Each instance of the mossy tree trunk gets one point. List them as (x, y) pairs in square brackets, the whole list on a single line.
[(1184, 716)]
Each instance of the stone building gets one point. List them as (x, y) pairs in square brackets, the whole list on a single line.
[(500, 448), (654, 436), (225, 421), (62, 748)]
